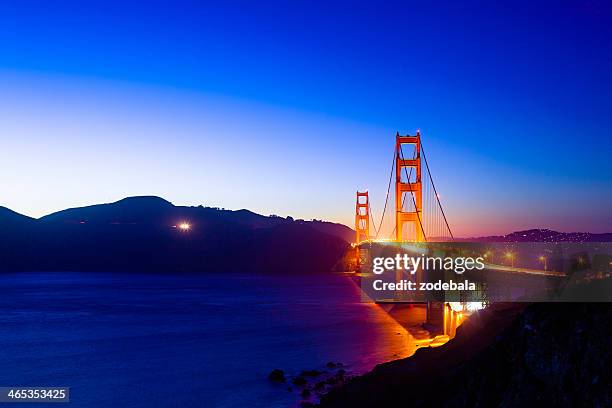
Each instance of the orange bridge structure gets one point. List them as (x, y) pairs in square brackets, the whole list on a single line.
[(419, 216)]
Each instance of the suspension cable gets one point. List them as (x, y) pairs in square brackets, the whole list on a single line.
[(372, 219), (436, 193), (382, 217)]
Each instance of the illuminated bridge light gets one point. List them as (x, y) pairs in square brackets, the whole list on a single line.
[(184, 226)]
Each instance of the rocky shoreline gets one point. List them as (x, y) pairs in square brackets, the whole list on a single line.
[(311, 385), (508, 355)]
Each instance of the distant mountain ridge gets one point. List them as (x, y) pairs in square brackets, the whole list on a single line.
[(137, 209), (142, 234), (544, 235)]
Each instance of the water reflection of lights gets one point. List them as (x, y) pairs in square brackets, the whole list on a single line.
[(436, 341), (439, 340)]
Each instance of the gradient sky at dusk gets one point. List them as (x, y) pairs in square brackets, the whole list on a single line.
[(290, 107)]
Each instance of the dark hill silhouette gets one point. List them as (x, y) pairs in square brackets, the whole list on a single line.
[(8, 216), (153, 210), (129, 210), (142, 234)]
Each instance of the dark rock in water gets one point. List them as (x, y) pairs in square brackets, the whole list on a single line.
[(289, 389), (311, 373), (305, 393), (319, 386), (300, 381), (331, 364), (546, 354), (277, 375), (306, 404), (341, 372)]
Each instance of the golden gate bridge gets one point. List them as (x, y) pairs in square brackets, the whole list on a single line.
[(413, 214), (418, 217)]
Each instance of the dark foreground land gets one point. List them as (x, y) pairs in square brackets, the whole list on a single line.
[(546, 354)]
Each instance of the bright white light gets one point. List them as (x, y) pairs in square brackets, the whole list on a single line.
[(184, 226), (466, 306), (471, 306), (456, 306)]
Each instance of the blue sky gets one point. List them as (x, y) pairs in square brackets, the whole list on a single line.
[(289, 108)]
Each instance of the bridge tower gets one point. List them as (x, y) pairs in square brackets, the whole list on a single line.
[(410, 191), (362, 217), (362, 227)]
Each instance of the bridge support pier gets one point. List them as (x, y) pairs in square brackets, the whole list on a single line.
[(436, 317)]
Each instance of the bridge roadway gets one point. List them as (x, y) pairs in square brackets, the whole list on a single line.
[(512, 269)]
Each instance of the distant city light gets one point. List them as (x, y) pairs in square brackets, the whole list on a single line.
[(510, 256), (184, 226)]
